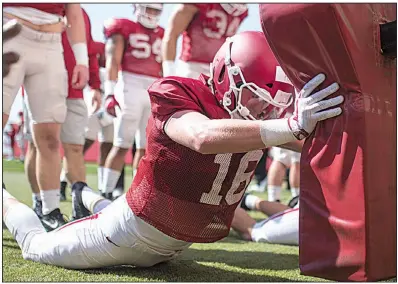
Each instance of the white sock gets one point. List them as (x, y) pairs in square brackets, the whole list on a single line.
[(251, 200), (110, 179), (35, 197), (62, 177), (274, 192), (91, 199), (100, 175), (50, 200), (295, 191)]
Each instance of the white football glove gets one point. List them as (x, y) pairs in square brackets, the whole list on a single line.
[(310, 108)]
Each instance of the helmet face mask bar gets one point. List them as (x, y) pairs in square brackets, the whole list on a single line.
[(146, 19), (286, 99)]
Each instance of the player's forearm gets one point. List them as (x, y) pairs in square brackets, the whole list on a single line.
[(236, 136), (76, 30), (76, 33), (169, 46), (114, 52)]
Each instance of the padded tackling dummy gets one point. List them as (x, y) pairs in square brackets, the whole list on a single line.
[(348, 225)]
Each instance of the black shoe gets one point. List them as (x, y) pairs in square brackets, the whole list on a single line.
[(78, 209), (293, 202), (62, 197), (38, 208), (53, 220), (107, 195), (243, 203)]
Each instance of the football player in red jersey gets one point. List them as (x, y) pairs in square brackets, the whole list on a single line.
[(197, 166), (204, 28), (41, 70), (133, 48)]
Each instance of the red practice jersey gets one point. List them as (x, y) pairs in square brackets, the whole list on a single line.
[(70, 62), (142, 53), (52, 8), (185, 194), (207, 32)]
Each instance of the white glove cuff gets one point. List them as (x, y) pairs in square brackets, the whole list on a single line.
[(109, 87), (276, 132), (169, 67), (81, 53)]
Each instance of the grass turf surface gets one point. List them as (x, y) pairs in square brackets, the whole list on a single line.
[(228, 260)]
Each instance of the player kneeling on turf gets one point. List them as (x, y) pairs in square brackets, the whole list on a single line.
[(196, 167)]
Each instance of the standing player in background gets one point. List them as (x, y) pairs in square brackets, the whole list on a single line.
[(204, 28), (72, 131), (100, 125), (211, 131), (282, 160), (8, 141), (135, 49), (41, 69), (21, 140)]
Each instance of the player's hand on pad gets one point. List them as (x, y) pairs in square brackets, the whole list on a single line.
[(79, 76), (312, 107), (110, 105)]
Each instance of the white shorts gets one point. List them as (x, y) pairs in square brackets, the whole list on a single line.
[(41, 70), (72, 130), (135, 109), (114, 236), (100, 125), (192, 69), (281, 228), (286, 157)]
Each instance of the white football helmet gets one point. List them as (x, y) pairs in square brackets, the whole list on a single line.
[(148, 20), (234, 9)]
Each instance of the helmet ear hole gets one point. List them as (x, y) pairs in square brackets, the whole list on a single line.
[(270, 85), (222, 74)]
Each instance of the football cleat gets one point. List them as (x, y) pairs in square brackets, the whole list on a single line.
[(38, 208), (64, 184), (53, 220), (78, 209), (293, 202)]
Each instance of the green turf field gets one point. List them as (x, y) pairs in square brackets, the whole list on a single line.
[(228, 260)]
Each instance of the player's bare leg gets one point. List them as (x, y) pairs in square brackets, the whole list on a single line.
[(137, 158), (276, 173), (280, 228), (294, 178), (30, 171), (105, 148), (113, 168), (74, 163), (253, 202), (48, 168)]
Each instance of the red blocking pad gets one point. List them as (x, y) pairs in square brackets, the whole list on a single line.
[(348, 218)]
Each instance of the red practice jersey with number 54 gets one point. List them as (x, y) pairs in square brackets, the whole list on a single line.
[(142, 53), (185, 194)]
